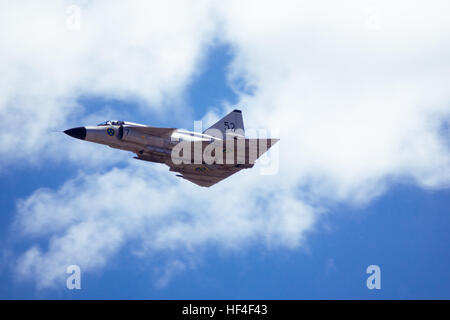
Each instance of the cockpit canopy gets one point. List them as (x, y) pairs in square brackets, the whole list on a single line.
[(112, 123)]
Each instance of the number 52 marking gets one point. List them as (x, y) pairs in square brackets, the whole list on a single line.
[(229, 125)]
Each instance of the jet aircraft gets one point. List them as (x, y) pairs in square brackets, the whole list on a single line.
[(202, 158)]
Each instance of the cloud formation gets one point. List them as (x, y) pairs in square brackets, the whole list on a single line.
[(357, 91), (141, 52), (360, 105), (160, 211)]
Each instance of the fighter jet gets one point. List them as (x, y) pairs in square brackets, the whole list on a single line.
[(202, 158)]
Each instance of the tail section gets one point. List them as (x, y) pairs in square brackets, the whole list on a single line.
[(229, 127)]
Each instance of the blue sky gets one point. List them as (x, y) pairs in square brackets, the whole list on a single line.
[(363, 178)]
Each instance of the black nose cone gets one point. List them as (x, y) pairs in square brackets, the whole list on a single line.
[(79, 133)]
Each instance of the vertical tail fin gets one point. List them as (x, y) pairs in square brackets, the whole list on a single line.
[(230, 126)]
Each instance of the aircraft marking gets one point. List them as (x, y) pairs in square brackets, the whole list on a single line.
[(110, 132)]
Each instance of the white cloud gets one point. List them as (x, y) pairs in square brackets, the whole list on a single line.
[(170, 270), (89, 219), (354, 106), (145, 52), (358, 101)]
